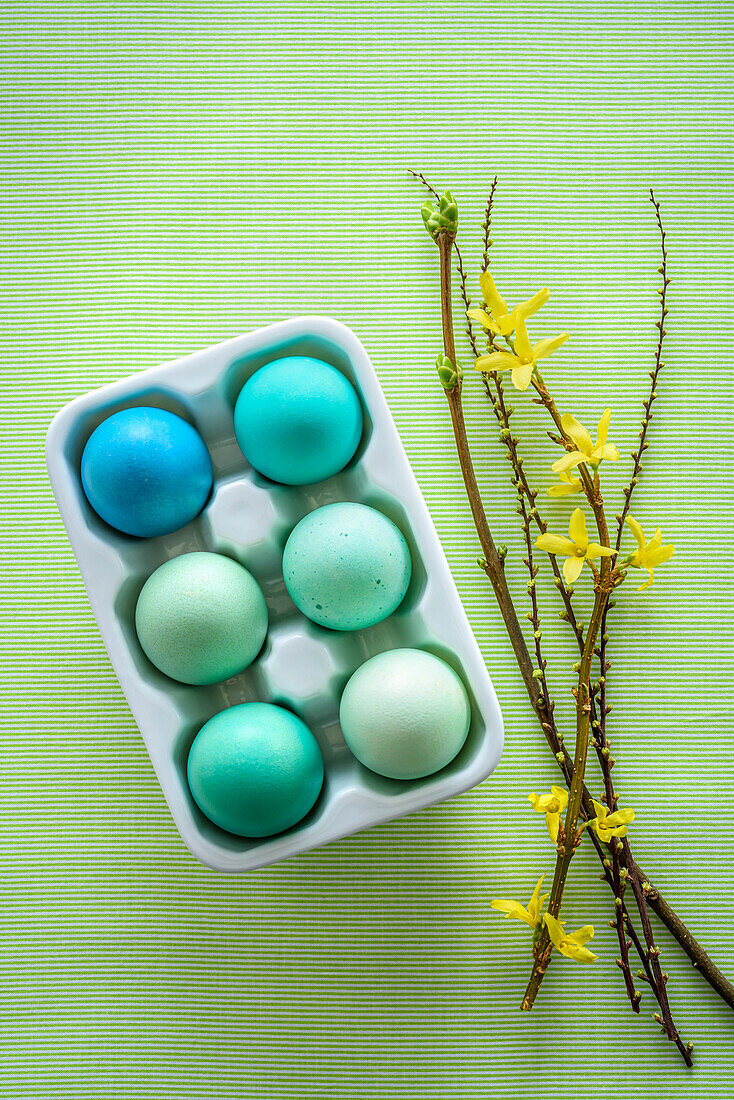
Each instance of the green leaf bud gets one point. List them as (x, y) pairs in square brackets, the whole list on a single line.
[(441, 219)]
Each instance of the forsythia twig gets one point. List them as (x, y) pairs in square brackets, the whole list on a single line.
[(619, 867)]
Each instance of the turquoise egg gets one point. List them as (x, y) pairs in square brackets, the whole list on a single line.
[(146, 471), (298, 420), (255, 769), (405, 714), (346, 566), (201, 618)]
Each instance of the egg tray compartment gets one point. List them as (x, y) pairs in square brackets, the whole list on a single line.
[(301, 666)]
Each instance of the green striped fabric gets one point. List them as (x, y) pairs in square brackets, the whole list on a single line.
[(178, 174)]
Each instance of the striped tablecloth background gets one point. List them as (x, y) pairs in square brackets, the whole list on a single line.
[(178, 174)]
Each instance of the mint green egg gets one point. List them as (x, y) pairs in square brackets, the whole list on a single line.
[(346, 566), (201, 618), (255, 769), (405, 714)]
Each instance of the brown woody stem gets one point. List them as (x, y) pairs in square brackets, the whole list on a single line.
[(492, 563), (494, 568), (571, 835), (603, 584)]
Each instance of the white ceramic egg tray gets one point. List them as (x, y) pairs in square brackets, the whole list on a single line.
[(302, 666)]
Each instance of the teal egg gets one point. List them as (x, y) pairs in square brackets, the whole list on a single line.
[(346, 566), (201, 618), (255, 769), (298, 420), (405, 714)]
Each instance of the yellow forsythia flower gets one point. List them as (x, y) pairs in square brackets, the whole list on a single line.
[(552, 805), (531, 914), (608, 825), (586, 449), (648, 555), (523, 360), (567, 485), (577, 546), (500, 320), (571, 944)]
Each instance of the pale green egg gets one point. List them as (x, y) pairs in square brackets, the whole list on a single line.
[(405, 714), (201, 618)]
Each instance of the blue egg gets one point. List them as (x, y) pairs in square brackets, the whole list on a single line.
[(298, 420), (255, 769), (346, 566), (146, 471)]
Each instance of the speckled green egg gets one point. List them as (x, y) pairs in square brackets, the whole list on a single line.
[(201, 618), (405, 714), (346, 566)]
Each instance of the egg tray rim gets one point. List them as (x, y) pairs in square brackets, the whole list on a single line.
[(403, 487)]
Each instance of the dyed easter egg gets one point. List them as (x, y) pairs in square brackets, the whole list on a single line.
[(146, 471), (298, 420), (405, 714), (346, 566), (201, 618), (255, 769)]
